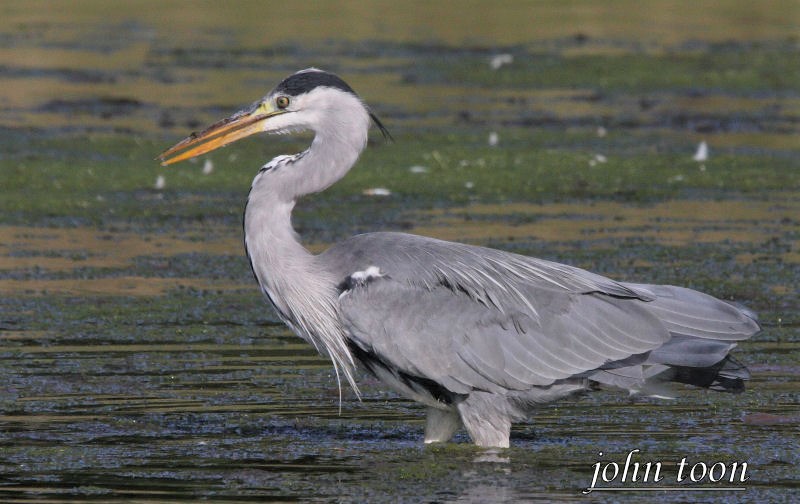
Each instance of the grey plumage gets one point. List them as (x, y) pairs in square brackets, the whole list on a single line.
[(524, 331), (478, 335)]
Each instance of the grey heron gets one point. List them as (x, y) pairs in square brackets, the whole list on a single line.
[(479, 336)]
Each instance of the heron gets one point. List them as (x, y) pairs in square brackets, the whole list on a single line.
[(481, 337)]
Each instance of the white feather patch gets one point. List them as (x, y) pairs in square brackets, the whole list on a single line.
[(366, 275), (362, 277)]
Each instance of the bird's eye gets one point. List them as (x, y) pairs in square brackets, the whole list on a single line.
[(282, 102)]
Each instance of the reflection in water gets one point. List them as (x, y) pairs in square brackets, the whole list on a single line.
[(488, 493), (492, 456)]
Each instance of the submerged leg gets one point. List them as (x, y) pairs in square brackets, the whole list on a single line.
[(487, 423), (440, 425)]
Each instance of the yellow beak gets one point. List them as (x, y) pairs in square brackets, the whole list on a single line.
[(220, 134)]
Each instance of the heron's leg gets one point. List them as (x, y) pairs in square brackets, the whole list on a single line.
[(487, 422), (440, 425)]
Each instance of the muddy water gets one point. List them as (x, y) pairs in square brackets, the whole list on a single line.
[(137, 360)]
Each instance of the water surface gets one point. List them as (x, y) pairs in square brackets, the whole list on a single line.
[(137, 359)]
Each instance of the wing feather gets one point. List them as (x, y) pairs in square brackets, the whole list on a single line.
[(472, 318)]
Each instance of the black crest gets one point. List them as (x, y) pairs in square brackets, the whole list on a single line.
[(303, 82)]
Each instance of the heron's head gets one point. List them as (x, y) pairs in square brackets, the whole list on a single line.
[(310, 99)]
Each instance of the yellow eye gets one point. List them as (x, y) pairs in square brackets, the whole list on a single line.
[(282, 102)]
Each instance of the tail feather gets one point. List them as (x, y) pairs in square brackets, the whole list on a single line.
[(727, 375), (704, 331), (691, 313)]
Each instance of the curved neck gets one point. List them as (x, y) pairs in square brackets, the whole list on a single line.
[(331, 155), (276, 188), (301, 288)]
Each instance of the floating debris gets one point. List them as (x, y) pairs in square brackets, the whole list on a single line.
[(702, 152), (494, 139), (418, 169), (377, 191), (160, 182), (208, 167), (498, 60), (601, 132), (469, 184), (598, 158)]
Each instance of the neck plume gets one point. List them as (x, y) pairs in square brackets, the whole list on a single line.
[(303, 292)]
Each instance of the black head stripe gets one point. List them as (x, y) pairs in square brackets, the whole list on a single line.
[(304, 82)]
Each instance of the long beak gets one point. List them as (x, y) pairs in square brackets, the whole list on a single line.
[(219, 134)]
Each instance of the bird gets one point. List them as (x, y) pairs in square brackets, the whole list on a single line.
[(481, 337)]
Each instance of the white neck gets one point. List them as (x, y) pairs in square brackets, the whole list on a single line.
[(302, 290)]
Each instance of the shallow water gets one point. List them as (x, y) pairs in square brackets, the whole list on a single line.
[(137, 359)]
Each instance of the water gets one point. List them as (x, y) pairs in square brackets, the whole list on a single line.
[(137, 359)]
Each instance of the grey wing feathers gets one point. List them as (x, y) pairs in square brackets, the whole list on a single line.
[(445, 336), (691, 313), (490, 276), (475, 318)]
